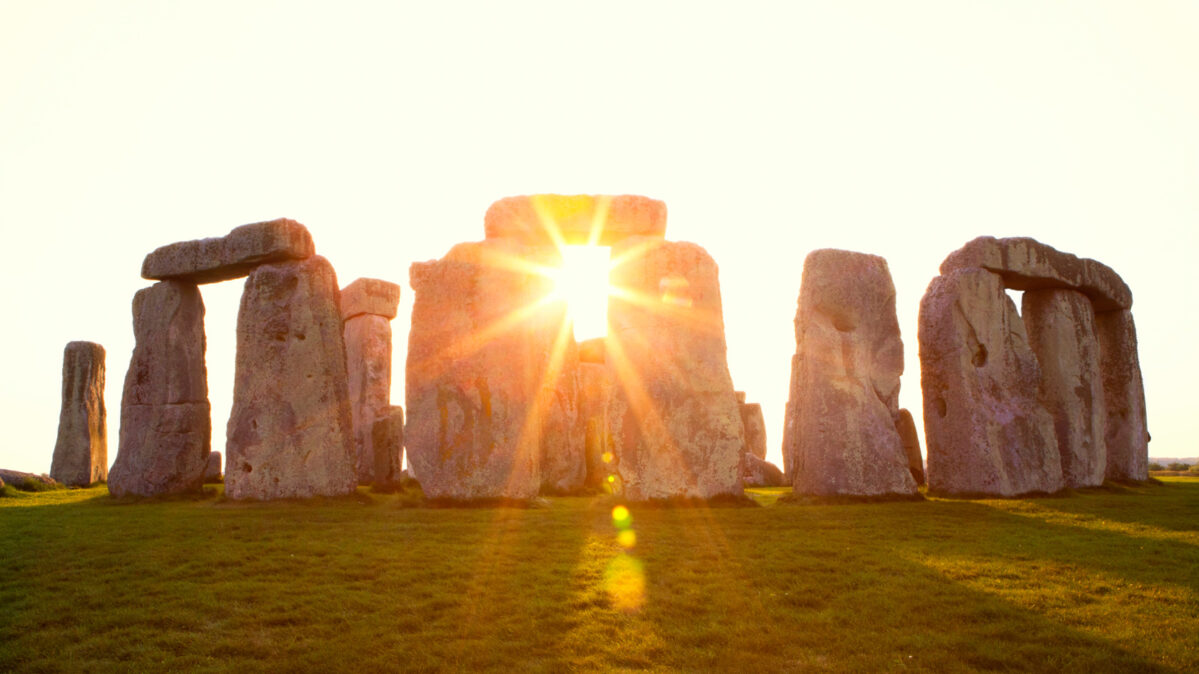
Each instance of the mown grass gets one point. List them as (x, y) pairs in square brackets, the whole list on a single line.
[(1102, 581)]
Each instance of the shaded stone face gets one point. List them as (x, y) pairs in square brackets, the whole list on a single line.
[(563, 464), (81, 451), (905, 425), (986, 427), (849, 358), (1126, 436), (231, 256), (166, 423), (675, 424), (548, 219), (595, 392), (290, 431), (387, 443), (1027, 264), (1061, 332), (212, 471), (755, 428), (368, 365), (481, 362)]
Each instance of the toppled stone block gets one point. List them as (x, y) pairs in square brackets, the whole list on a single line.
[(755, 428), (387, 443), (758, 472), (370, 296), (18, 479), (1126, 436), (1061, 332), (290, 433), (166, 425), (986, 427), (212, 471), (1027, 264), (545, 219), (231, 256), (81, 451), (846, 386), (675, 424)]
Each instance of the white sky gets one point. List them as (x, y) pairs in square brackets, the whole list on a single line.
[(900, 129)]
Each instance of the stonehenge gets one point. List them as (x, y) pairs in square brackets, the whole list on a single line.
[(81, 452), (844, 404), (503, 403), (1034, 403)]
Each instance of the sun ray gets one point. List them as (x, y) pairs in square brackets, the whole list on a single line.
[(707, 321), (599, 219)]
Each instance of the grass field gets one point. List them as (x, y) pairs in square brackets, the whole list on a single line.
[(1104, 580)]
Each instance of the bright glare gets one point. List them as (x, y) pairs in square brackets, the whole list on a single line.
[(583, 283)]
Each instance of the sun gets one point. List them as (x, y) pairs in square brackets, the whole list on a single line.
[(582, 282)]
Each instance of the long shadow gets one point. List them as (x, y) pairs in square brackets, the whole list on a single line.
[(1153, 505)]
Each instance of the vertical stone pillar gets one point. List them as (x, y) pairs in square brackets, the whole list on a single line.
[(367, 307), (387, 443), (1061, 332), (755, 429), (290, 432), (1127, 433), (849, 357), (985, 426), (81, 452), (906, 425), (481, 350), (675, 423), (166, 425)]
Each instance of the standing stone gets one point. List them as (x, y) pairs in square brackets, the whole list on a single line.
[(1061, 332), (81, 452), (849, 359), (906, 426), (790, 419), (986, 428), (212, 472), (595, 391), (563, 464), (755, 428), (1127, 434), (387, 443), (290, 431), (675, 424), (479, 350), (165, 417), (367, 306)]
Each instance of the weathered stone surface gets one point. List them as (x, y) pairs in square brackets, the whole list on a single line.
[(755, 428), (231, 256), (740, 397), (166, 426), (592, 351), (290, 432), (563, 464), (81, 452), (370, 296), (986, 428), (790, 421), (387, 443), (577, 219), (675, 425), (1061, 332), (1027, 264), (905, 425), (595, 392), (758, 472), (850, 358), (212, 471), (1127, 433), (368, 365), (479, 354)]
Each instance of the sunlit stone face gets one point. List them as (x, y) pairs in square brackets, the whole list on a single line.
[(582, 282)]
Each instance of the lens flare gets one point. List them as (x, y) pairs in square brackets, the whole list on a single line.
[(627, 538), (621, 517)]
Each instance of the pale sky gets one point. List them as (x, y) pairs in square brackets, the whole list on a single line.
[(899, 129)]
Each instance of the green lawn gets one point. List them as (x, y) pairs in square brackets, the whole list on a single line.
[(1104, 580)]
